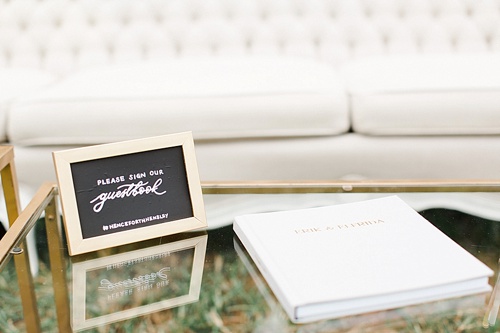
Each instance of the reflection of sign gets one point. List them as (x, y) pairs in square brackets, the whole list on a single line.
[(146, 279), (131, 284), (129, 191)]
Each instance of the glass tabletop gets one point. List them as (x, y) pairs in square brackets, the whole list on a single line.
[(204, 281)]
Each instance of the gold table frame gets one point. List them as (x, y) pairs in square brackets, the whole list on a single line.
[(13, 241), (46, 201)]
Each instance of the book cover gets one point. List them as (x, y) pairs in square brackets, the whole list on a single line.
[(348, 259)]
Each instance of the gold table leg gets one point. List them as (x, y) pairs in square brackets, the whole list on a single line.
[(58, 266), (21, 260)]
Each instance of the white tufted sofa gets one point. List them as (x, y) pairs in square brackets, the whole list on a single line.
[(272, 89)]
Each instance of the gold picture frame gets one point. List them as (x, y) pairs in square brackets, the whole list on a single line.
[(125, 192)]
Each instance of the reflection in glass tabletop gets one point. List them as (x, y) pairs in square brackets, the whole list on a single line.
[(205, 281)]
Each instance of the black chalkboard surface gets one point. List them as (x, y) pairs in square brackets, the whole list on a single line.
[(129, 191)]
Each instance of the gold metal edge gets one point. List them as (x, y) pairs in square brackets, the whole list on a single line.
[(26, 221), (6, 155), (362, 186)]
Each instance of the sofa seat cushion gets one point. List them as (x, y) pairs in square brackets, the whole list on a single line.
[(425, 95), (215, 98), (15, 82)]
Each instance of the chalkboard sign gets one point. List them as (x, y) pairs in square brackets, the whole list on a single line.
[(125, 192)]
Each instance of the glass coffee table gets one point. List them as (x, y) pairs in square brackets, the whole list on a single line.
[(204, 281)]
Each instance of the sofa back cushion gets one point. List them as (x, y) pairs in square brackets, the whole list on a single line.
[(63, 35)]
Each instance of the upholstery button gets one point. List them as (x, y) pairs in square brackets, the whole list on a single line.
[(22, 25)]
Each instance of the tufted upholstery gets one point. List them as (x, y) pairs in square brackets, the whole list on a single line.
[(63, 35), (272, 89)]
